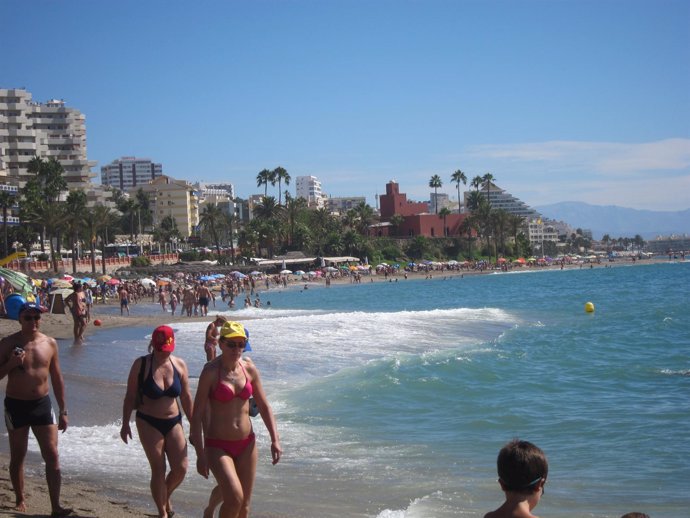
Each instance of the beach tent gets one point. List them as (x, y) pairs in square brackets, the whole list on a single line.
[(56, 300)]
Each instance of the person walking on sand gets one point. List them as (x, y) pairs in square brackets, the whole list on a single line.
[(155, 382), (76, 302), (212, 334), (28, 358), (225, 443)]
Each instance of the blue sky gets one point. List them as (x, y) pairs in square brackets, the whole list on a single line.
[(559, 100)]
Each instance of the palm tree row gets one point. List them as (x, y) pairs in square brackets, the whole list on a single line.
[(277, 175)]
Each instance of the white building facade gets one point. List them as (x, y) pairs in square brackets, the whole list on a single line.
[(47, 130), (309, 188), (129, 172)]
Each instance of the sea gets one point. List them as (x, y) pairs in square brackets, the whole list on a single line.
[(393, 397)]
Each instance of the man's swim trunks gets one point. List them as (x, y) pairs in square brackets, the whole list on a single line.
[(20, 412), (203, 301)]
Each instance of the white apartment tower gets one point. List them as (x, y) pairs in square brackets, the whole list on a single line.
[(130, 172), (309, 188), (29, 129)]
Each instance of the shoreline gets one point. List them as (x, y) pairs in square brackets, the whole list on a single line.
[(85, 496)]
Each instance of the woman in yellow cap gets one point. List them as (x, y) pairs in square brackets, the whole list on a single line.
[(221, 415)]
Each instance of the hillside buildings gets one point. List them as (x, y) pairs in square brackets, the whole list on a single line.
[(128, 172)]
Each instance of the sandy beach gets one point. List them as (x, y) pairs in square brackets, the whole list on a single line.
[(90, 501)]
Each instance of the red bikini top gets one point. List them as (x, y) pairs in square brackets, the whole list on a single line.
[(225, 394)]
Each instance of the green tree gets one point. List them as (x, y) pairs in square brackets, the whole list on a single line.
[(459, 177), (396, 222), (279, 174), (487, 179), (263, 178), (443, 213), (364, 217), (74, 220), (211, 221), (515, 223), (476, 182), (435, 182), (7, 201)]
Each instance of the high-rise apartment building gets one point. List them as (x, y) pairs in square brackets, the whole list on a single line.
[(29, 129), (502, 199), (309, 188), (129, 172)]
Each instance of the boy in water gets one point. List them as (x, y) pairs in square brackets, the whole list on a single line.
[(522, 472)]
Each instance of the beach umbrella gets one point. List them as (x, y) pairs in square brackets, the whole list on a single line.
[(299, 272), (501, 260), (147, 282), (255, 272), (20, 282), (113, 282), (161, 282), (166, 279), (331, 269), (103, 278), (67, 277), (238, 275), (285, 272)]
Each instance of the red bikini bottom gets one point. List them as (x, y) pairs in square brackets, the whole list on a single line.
[(232, 448)]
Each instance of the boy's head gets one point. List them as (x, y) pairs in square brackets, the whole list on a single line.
[(521, 467)]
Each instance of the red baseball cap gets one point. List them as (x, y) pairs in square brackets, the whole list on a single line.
[(163, 339)]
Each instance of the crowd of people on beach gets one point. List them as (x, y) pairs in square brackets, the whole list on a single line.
[(228, 396)]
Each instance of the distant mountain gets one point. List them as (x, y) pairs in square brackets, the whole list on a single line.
[(618, 221)]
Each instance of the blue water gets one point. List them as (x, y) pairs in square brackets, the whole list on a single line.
[(393, 399)]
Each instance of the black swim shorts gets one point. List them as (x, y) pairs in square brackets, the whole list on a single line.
[(20, 412)]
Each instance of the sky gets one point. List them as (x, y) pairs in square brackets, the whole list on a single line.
[(560, 100)]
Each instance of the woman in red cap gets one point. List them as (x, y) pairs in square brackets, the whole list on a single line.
[(154, 384), (228, 446)]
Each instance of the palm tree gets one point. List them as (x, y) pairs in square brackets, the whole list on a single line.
[(457, 177), (435, 182), (279, 175), (396, 222), (6, 202), (75, 212), (515, 222), (365, 217), (476, 182), (263, 178), (444, 212), (97, 220), (467, 227), (487, 179), (211, 220)]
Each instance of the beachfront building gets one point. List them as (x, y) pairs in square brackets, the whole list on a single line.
[(438, 201), (30, 129), (542, 235), (415, 218), (177, 199), (128, 172), (309, 188), (340, 205), (502, 199)]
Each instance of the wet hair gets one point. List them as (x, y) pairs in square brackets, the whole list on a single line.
[(521, 466), (635, 515)]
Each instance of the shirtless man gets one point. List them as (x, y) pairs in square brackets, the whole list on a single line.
[(212, 334), (123, 295), (76, 302), (28, 358), (204, 295)]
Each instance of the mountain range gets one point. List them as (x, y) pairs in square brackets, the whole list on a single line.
[(618, 221)]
